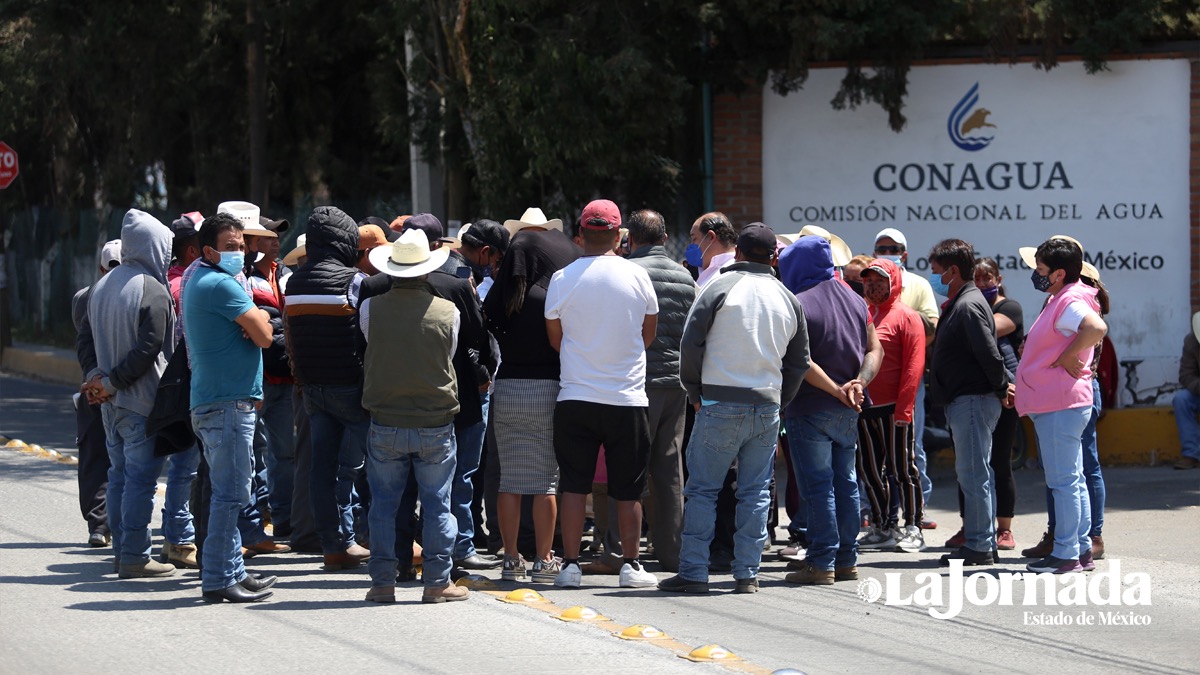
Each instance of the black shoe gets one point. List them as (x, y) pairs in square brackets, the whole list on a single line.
[(258, 583), (476, 562), (282, 530), (406, 574), (720, 560), (235, 593), (678, 584), (968, 556)]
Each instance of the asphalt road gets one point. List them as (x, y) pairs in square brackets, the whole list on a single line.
[(63, 610)]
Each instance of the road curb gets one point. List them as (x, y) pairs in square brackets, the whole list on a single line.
[(44, 363)]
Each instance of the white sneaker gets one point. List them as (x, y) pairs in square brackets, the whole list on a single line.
[(569, 577), (633, 575), (878, 538), (911, 541)]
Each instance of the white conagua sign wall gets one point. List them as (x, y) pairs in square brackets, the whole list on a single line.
[(1006, 156)]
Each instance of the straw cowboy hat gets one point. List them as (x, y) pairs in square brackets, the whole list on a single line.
[(533, 217), (408, 256), (842, 255), (1028, 254), (293, 257), (249, 216)]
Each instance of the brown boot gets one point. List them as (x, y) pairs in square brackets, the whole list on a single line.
[(352, 557), (845, 573), (150, 568), (381, 594), (1043, 548), (811, 576), (180, 555), (447, 593), (1097, 548)]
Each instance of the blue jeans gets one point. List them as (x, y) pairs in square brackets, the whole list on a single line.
[(1092, 473), (1187, 405), (177, 525), (725, 433), (470, 448), (392, 454), (132, 480), (972, 420), (226, 430), (1061, 452), (277, 417), (823, 447), (335, 412), (918, 436)]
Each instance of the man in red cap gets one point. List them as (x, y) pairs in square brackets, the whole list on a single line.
[(602, 399)]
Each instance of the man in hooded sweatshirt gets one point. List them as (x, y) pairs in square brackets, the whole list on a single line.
[(821, 429), (887, 457), (326, 349), (131, 319)]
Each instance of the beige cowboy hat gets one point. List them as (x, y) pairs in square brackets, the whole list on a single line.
[(293, 257), (533, 217), (249, 216), (787, 239), (842, 255), (1028, 253), (408, 256)]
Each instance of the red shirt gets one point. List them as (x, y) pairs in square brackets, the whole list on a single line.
[(902, 333)]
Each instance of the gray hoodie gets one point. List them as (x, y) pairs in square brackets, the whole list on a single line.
[(130, 315)]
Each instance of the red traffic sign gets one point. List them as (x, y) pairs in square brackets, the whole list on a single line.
[(8, 165)]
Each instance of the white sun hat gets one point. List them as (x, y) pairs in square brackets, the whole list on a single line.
[(408, 256)]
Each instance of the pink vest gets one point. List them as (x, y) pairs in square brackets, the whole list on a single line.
[(1041, 388)]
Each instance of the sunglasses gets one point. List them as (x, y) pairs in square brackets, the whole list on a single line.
[(889, 249)]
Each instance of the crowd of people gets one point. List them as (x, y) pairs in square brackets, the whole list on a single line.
[(499, 377)]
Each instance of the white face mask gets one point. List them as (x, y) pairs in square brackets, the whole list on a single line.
[(898, 259)]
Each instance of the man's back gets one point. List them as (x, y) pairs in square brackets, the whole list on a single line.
[(837, 332), (675, 291), (602, 302)]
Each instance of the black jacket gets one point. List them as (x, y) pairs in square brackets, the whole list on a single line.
[(474, 346), (323, 339), (966, 360)]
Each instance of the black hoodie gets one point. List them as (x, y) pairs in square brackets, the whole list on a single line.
[(324, 341)]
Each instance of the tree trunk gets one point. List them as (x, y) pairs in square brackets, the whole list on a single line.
[(256, 78)]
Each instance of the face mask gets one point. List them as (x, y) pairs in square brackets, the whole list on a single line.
[(940, 287), (695, 255), (894, 258), (878, 295), (1040, 282), (990, 294), (232, 262), (857, 287), (479, 272)]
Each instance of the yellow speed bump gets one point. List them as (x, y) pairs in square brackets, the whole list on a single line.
[(580, 613), (787, 671), (641, 632), (711, 653), (522, 596), (476, 582), (15, 443)]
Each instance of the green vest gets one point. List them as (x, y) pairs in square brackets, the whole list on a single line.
[(408, 377)]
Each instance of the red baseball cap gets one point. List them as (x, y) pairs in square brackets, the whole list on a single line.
[(601, 209)]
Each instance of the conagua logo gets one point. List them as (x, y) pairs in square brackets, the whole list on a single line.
[(967, 123), (944, 596)]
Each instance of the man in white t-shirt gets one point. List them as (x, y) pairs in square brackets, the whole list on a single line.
[(601, 314)]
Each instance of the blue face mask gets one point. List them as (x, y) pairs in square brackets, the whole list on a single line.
[(232, 262), (898, 259), (694, 255), (940, 287)]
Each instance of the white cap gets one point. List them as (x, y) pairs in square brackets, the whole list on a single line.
[(893, 234), (110, 255)]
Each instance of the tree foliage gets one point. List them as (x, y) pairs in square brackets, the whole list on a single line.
[(546, 102)]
